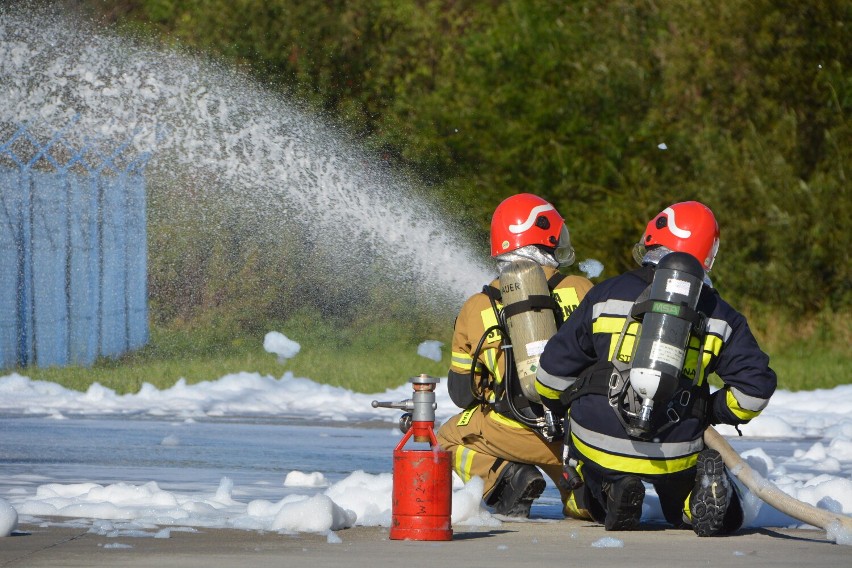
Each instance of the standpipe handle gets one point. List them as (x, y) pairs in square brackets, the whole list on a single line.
[(769, 493), (407, 405)]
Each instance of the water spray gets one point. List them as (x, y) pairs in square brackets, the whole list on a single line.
[(215, 133), (422, 479)]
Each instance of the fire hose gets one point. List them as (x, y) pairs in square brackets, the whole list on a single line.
[(769, 493)]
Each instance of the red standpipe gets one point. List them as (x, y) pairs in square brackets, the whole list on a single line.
[(422, 489), (422, 478)]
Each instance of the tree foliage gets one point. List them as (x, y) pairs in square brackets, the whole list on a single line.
[(612, 109)]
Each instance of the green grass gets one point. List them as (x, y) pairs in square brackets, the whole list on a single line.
[(804, 366), (372, 357), (367, 366), (806, 355), (810, 355)]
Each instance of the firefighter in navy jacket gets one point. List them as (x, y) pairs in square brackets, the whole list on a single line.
[(579, 373), (487, 439)]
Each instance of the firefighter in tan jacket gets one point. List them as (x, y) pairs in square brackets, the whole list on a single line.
[(503, 436)]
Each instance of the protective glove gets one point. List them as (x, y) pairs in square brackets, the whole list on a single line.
[(718, 410)]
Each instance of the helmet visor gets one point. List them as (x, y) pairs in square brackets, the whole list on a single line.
[(564, 252), (639, 251)]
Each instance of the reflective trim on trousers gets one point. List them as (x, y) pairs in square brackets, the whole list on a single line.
[(633, 456), (462, 462)]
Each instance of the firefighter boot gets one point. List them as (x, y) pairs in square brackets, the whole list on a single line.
[(624, 499), (713, 505), (518, 486)]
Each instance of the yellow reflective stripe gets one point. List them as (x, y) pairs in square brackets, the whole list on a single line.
[(607, 325), (719, 328), (573, 511), (626, 352), (465, 416), (567, 299), (739, 411), (505, 420), (634, 465), (462, 462), (635, 448), (691, 359), (491, 364), (615, 333), (461, 360), (566, 296), (547, 392), (753, 403), (712, 347), (686, 510), (488, 320)]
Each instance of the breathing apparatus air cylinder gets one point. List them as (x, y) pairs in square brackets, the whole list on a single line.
[(530, 319), (668, 320)]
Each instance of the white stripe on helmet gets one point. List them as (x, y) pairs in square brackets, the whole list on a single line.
[(676, 231), (520, 228)]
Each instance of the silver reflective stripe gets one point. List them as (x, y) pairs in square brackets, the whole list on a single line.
[(719, 327), (554, 382), (491, 364), (635, 448), (746, 402), (464, 465), (612, 308), (463, 362)]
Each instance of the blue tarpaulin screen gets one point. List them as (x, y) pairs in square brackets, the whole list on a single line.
[(73, 280)]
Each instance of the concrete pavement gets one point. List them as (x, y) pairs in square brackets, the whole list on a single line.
[(546, 543)]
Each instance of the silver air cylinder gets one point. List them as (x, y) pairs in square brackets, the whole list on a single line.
[(529, 329), (664, 337)]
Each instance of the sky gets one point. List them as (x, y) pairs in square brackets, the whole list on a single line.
[(802, 443)]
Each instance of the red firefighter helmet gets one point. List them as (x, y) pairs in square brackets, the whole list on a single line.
[(526, 219), (688, 227)]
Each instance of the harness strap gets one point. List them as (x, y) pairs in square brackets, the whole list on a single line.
[(696, 318), (554, 280), (535, 302), (532, 303), (594, 380), (492, 293), (552, 283)]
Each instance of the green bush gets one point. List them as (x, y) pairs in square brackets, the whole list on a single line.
[(610, 109)]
